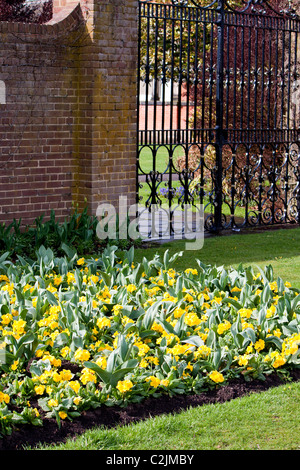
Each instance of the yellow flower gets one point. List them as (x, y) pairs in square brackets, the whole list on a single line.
[(103, 322), (290, 345), (65, 351), (259, 345), (279, 361), (245, 312), (52, 403), (153, 360), (131, 288), (8, 288), (14, 365), (53, 360), (51, 288), (75, 385), (143, 348), (57, 280), (202, 351), (94, 278), (62, 414), (66, 375), (88, 375), (247, 325), (179, 349), (226, 325), (153, 291), (178, 312), (271, 311), (236, 289), (188, 298), (192, 319), (273, 286), (77, 400), (81, 355), (101, 362), (70, 278), (6, 319), (143, 363), (216, 376), (18, 328), (4, 397), (80, 261), (190, 270), (154, 381), (165, 382), (157, 327), (124, 386), (243, 360)]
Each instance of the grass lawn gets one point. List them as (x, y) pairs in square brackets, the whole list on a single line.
[(281, 248), (269, 420), (265, 421)]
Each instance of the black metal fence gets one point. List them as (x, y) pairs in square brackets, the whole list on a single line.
[(218, 111)]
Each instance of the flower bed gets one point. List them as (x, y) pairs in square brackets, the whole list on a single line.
[(76, 334)]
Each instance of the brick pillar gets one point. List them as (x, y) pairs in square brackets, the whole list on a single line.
[(114, 102)]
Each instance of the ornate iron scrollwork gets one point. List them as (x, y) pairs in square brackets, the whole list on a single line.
[(261, 7)]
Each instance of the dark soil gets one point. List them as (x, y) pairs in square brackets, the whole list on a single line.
[(109, 417)]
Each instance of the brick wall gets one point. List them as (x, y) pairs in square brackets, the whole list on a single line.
[(114, 101), (68, 125)]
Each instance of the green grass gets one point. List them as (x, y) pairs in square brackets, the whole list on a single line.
[(281, 248), (268, 420), (265, 421)]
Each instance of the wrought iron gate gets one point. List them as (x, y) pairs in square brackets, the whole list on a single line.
[(218, 110)]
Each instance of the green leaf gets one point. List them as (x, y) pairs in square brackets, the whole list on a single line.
[(104, 375), (51, 298), (275, 340), (295, 302), (106, 278), (123, 347), (195, 340), (266, 294), (249, 334), (211, 339), (70, 251), (111, 361), (60, 340), (120, 373), (233, 302)]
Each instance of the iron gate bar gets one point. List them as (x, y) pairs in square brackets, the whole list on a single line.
[(234, 72)]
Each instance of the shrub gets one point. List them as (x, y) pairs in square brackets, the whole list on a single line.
[(78, 232)]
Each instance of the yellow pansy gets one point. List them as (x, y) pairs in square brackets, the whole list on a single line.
[(216, 376), (124, 386)]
